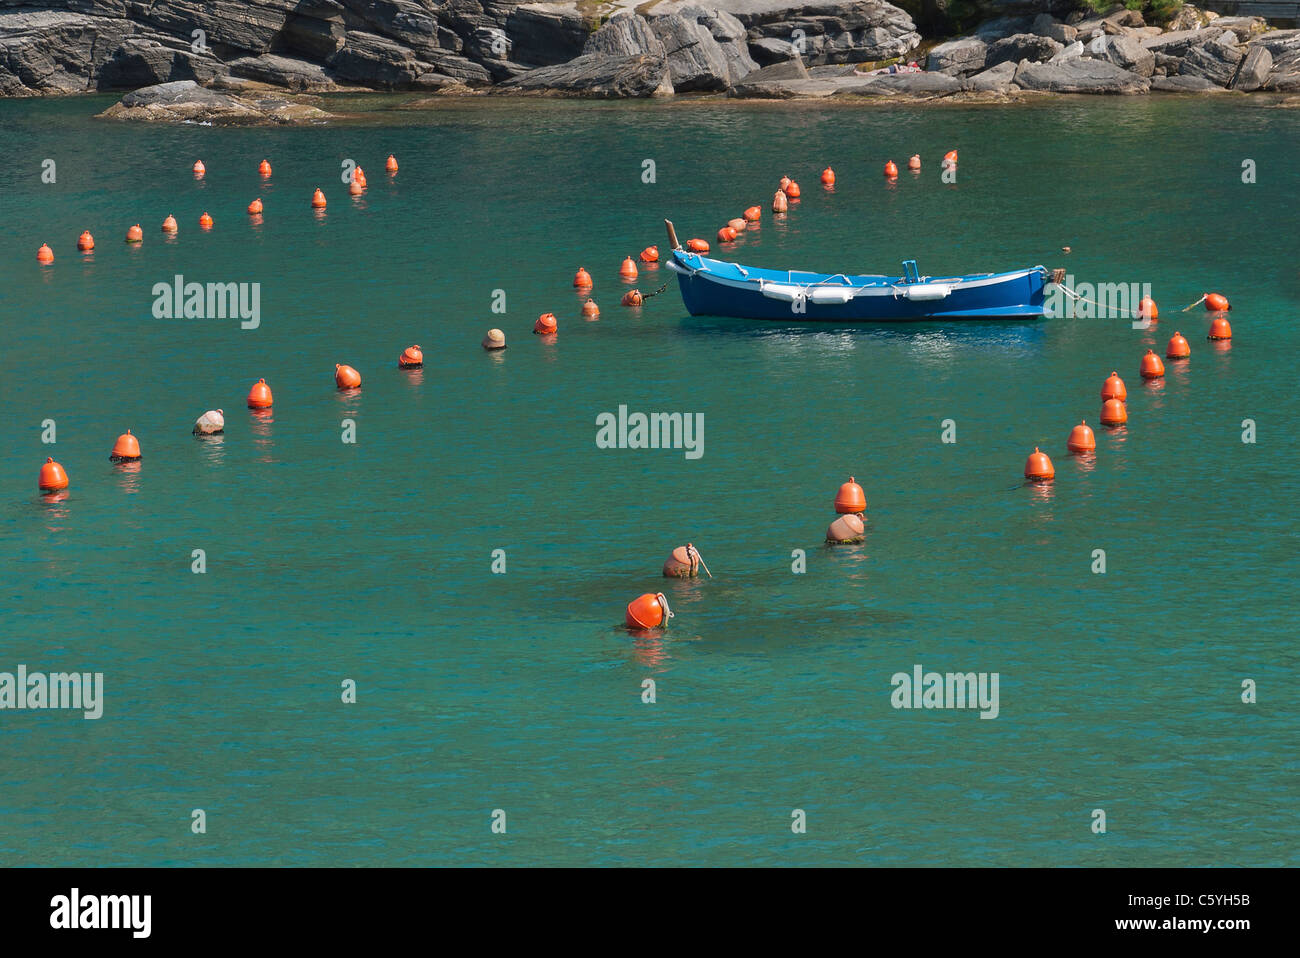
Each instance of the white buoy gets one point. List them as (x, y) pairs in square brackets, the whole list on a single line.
[(212, 421)]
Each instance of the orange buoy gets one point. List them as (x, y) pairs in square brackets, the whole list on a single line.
[(684, 563), (205, 222), (52, 477), (199, 168), (264, 167), (698, 245), (846, 529), (359, 177), (390, 164), (649, 611), (1147, 309), (318, 200), (738, 224), (1081, 439), (632, 297), (135, 234), (126, 448), (590, 310), (914, 162), (345, 377), (828, 176), (752, 214), (546, 324), (792, 190), (255, 208), (950, 157), (169, 224), (1178, 347), (85, 242), (1038, 467), (259, 397), (785, 181), (1113, 388), (1220, 329), (45, 254), (891, 169), (411, 358), (1152, 367), (494, 340), (726, 235), (779, 203), (628, 269), (1113, 413), (355, 188), (1217, 303), (581, 279), (851, 499), (650, 254)]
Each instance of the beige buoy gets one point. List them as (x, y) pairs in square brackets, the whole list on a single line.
[(495, 339), (847, 528), (212, 421), (684, 563)]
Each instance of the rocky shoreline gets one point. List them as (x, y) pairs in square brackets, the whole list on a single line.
[(258, 61)]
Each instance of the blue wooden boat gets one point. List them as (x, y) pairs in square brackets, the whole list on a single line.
[(712, 287)]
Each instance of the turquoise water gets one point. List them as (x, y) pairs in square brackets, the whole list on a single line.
[(476, 691)]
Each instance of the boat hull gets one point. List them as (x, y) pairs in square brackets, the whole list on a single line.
[(717, 288)]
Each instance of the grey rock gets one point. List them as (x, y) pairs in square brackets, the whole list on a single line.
[(184, 101), (1167, 63), (1253, 70), (47, 51), (785, 82), (231, 26), (730, 36), (314, 29), (1179, 42), (775, 81), (544, 34), (1181, 84), (598, 75), (1285, 75), (998, 79), (1216, 61), (1046, 25), (769, 50), (958, 57), (1022, 46), (377, 61), (289, 72), (697, 60), (1124, 52), (625, 35), (830, 31), (1072, 52), (158, 58), (1279, 42), (785, 89), (905, 84), (1245, 28), (1083, 75)]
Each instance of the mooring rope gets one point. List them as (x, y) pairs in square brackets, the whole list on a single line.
[(1197, 303), (1083, 299)]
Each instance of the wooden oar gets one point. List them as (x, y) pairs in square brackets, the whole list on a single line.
[(672, 235)]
